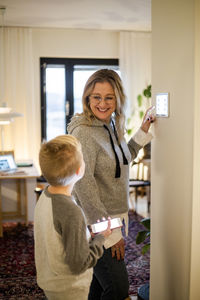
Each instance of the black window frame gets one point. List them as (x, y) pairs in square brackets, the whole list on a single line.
[(69, 69)]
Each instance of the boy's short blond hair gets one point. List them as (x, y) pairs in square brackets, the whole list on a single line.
[(59, 159)]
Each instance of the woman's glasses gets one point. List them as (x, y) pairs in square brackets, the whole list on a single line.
[(97, 98)]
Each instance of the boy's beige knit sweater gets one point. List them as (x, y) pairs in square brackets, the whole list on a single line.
[(64, 255)]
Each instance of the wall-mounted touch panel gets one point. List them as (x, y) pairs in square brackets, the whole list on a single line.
[(162, 105)]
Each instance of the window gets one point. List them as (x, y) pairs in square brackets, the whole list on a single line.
[(62, 83)]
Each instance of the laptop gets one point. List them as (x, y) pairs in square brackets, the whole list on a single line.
[(7, 163)]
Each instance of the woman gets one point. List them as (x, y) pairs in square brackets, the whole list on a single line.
[(104, 189)]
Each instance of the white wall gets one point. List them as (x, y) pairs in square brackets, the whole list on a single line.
[(61, 43), (69, 43), (172, 150), (195, 257)]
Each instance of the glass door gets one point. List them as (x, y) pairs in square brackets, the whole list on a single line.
[(80, 76), (62, 84), (55, 100)]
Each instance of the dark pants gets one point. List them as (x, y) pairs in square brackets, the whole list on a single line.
[(110, 279)]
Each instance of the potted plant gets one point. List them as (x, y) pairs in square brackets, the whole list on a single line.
[(144, 235), (144, 96)]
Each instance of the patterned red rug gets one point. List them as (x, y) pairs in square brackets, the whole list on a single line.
[(138, 266), (17, 268)]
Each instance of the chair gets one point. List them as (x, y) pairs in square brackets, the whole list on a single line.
[(41, 183), (136, 184)]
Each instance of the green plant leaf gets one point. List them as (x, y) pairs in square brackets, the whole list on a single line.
[(147, 92), (145, 248), (141, 236), (146, 223), (129, 131), (141, 114), (139, 99)]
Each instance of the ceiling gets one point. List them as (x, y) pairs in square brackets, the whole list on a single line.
[(131, 15)]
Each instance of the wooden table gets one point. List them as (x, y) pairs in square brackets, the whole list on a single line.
[(23, 179)]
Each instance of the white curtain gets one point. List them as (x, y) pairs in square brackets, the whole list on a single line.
[(135, 66), (18, 92)]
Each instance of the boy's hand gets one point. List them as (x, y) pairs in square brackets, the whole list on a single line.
[(108, 231), (90, 230)]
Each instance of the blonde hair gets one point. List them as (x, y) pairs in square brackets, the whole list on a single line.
[(59, 159), (110, 76)]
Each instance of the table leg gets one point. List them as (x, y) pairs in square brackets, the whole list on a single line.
[(136, 196), (25, 202), (1, 223), (19, 208)]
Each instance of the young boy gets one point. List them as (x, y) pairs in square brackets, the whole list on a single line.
[(64, 254)]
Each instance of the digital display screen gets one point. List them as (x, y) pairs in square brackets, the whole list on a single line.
[(7, 163), (162, 105)]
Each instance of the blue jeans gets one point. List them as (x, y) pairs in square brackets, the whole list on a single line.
[(110, 279)]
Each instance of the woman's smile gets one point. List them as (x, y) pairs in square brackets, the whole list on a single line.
[(102, 101)]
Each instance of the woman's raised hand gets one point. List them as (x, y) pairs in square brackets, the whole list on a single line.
[(149, 118)]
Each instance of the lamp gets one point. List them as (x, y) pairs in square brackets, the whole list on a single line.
[(6, 117)]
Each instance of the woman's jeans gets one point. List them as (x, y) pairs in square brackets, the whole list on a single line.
[(110, 279)]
